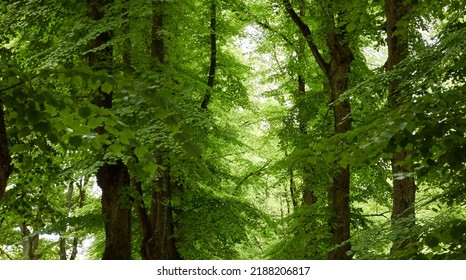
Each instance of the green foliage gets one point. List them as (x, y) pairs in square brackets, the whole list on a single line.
[(261, 138)]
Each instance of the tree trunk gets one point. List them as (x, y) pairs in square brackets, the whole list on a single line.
[(340, 61), (5, 160), (112, 178), (213, 54), (336, 72), (309, 196), (30, 243), (404, 190), (158, 228)]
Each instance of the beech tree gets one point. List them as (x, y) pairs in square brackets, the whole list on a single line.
[(232, 129)]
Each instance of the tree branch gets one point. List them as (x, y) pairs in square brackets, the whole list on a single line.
[(12, 86), (267, 26), (257, 172), (6, 254), (307, 35), (377, 215)]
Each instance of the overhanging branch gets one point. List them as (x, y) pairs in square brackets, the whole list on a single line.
[(307, 35)]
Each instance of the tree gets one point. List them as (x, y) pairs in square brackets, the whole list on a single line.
[(336, 70), (404, 187), (229, 137), (113, 178)]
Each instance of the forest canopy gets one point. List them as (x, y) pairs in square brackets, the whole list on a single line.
[(232, 129)]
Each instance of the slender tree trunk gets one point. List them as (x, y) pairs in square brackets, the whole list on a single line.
[(62, 244), (6, 168), (404, 190), (336, 72), (30, 243), (309, 196), (126, 32), (292, 188), (112, 178), (213, 53)]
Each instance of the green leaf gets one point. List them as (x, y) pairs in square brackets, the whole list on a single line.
[(150, 167), (42, 127), (26, 164), (19, 148), (75, 141), (53, 138), (94, 122), (192, 149), (106, 87), (116, 148), (84, 112), (77, 80), (432, 241), (141, 152), (93, 83), (350, 27), (34, 116)]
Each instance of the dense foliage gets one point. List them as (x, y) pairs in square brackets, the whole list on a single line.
[(229, 129)]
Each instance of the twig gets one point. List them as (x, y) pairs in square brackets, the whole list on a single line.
[(377, 215), (5, 253)]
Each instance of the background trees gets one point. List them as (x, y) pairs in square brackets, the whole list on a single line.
[(221, 129)]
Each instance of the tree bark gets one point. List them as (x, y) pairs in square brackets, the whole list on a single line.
[(6, 168), (30, 243), (213, 54), (112, 178), (404, 190), (336, 72), (158, 228)]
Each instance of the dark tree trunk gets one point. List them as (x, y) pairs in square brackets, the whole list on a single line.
[(309, 196), (292, 188), (404, 190), (62, 243), (5, 160), (336, 72), (126, 32), (158, 227), (340, 61), (213, 54), (112, 178)]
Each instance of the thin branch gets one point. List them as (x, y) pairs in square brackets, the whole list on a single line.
[(378, 215), (307, 35), (267, 26), (12, 86), (6, 254), (257, 172)]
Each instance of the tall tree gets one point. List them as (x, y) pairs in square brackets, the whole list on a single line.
[(336, 70), (5, 167), (158, 226), (404, 187), (112, 177), (213, 54)]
